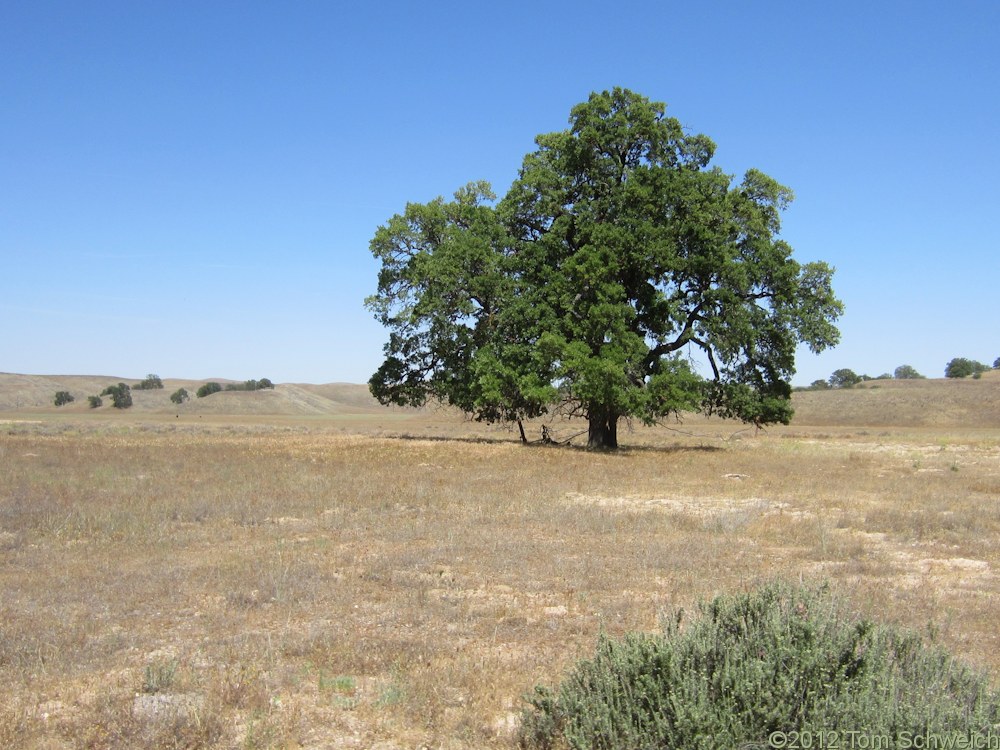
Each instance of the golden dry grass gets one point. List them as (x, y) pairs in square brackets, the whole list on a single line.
[(401, 581)]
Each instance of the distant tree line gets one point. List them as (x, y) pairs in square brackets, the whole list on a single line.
[(121, 393), (959, 367), (248, 385)]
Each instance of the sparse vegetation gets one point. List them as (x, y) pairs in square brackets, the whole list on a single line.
[(398, 578), (64, 397), (777, 660)]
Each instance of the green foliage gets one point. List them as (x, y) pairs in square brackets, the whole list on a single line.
[(960, 367), (208, 389), (906, 372), (617, 253), (780, 659), (996, 363), (180, 396), (64, 397), (94, 402), (844, 378), (250, 385), (151, 383), (121, 395)]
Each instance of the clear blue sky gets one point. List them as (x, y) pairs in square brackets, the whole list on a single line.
[(189, 188)]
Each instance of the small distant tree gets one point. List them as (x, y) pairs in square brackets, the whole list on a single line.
[(94, 402), (960, 367), (906, 372), (844, 378), (180, 396), (996, 363), (819, 385), (121, 395), (208, 389), (151, 383), (64, 397), (265, 383)]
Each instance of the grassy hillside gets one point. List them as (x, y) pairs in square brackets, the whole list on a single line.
[(32, 393), (905, 403), (897, 403)]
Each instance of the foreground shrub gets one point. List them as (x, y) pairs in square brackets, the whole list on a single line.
[(779, 660)]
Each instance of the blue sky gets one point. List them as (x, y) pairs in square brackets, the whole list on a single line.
[(189, 188)]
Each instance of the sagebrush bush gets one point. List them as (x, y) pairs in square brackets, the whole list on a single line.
[(779, 659)]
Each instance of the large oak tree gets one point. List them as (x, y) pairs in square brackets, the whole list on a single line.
[(618, 258)]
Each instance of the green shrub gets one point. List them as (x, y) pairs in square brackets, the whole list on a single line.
[(777, 660), (180, 396), (94, 401), (64, 397), (208, 389)]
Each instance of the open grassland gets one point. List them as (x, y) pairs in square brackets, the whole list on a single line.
[(400, 581)]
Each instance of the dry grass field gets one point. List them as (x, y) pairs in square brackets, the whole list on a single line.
[(328, 574)]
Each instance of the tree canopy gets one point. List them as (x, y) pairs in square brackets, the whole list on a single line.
[(618, 262), (844, 378), (961, 367), (907, 372)]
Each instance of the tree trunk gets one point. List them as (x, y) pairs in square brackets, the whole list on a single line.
[(520, 426), (603, 433)]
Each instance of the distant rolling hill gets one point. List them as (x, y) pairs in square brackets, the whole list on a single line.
[(36, 393), (903, 403)]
